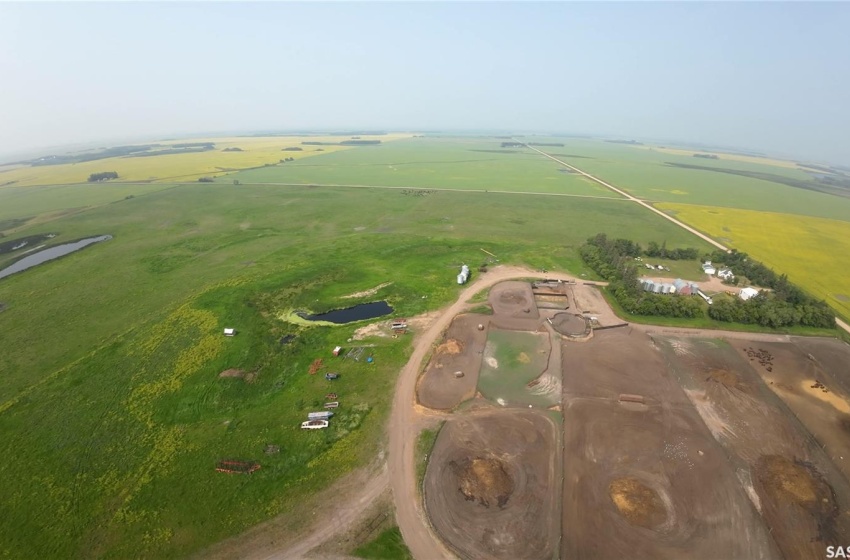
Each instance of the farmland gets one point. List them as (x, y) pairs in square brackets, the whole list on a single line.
[(112, 410), (427, 163), (646, 173), (246, 152)]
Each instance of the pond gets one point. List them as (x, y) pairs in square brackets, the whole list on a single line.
[(49, 254), (351, 314)]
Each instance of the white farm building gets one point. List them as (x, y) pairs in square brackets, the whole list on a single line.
[(709, 268), (747, 293)]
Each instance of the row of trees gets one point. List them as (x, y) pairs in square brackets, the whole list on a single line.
[(629, 248), (613, 259), (662, 252), (103, 176), (770, 311)]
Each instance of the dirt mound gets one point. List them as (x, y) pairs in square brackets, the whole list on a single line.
[(523, 358), (451, 346), (637, 502), (485, 481), (791, 481), (232, 373), (726, 378), (797, 482), (569, 324), (513, 297)]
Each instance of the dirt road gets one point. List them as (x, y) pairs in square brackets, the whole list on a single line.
[(633, 199), (406, 419), (268, 541)]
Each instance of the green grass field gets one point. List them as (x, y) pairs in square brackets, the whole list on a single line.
[(519, 358), (429, 163), (112, 412)]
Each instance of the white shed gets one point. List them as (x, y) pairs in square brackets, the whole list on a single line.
[(229, 332), (747, 293)]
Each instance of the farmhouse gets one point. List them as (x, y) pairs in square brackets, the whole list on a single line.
[(747, 293), (725, 274), (708, 268)]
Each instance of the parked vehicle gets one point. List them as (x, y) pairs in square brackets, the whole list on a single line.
[(314, 424), (331, 376), (324, 415), (332, 404)]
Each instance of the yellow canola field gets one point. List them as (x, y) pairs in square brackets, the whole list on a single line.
[(813, 252), (182, 167), (723, 155)]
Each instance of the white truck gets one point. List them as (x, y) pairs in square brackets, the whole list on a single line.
[(324, 415)]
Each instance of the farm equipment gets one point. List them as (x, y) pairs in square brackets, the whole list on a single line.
[(334, 404), (314, 424), (331, 376), (331, 396), (323, 415)]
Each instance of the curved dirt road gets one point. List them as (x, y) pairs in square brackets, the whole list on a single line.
[(405, 421)]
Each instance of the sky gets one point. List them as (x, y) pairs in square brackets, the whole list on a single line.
[(773, 77)]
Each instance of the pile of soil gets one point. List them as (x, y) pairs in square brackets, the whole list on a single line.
[(515, 298), (451, 346), (485, 481), (797, 482), (726, 378), (232, 373), (791, 481), (637, 502)]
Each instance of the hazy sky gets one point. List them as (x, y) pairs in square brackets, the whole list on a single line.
[(766, 76)]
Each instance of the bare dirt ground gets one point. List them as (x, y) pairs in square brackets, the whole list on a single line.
[(590, 302), (803, 498), (461, 350), (513, 305), (711, 285), (635, 475), (407, 419), (810, 376), (488, 487), (569, 324)]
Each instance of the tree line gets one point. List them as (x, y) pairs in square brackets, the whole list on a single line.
[(613, 260), (784, 306), (103, 176)]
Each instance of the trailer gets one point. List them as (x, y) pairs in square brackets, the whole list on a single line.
[(323, 415), (334, 404), (314, 424)]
